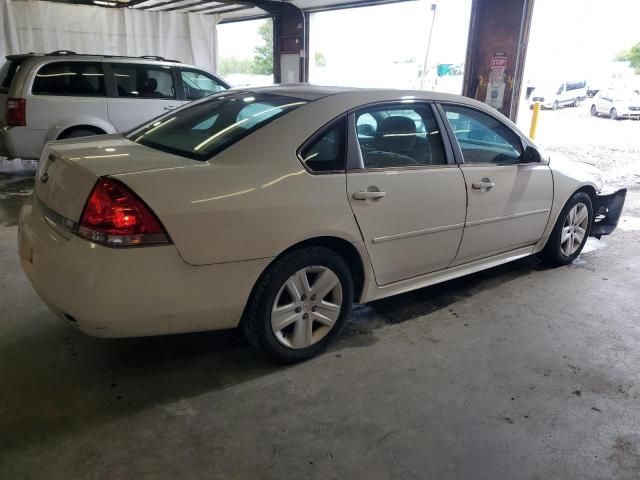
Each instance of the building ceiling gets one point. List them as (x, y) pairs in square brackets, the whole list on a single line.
[(227, 9)]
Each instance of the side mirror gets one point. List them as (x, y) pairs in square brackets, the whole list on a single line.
[(531, 155)]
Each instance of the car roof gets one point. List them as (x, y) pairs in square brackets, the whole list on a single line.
[(312, 92)]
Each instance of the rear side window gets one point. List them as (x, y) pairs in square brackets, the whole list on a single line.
[(199, 84), (326, 152), (84, 79), (397, 136), (7, 72), (143, 81), (208, 127)]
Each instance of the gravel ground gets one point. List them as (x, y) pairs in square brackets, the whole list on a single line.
[(613, 146)]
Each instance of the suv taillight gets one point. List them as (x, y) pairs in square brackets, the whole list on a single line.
[(16, 112), (115, 216)]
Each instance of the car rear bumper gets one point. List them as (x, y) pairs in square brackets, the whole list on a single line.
[(128, 292), (607, 210)]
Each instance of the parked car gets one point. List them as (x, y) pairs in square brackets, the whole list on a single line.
[(616, 104), (64, 95), (559, 94), (275, 208)]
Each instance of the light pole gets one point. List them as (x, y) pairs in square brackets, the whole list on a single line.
[(426, 55)]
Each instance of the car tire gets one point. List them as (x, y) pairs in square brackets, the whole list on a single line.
[(299, 335), (79, 133), (613, 114), (594, 111), (555, 105), (560, 249), (576, 102)]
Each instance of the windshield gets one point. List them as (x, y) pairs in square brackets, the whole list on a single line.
[(206, 128), (7, 72)]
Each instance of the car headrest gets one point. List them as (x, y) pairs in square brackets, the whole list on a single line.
[(396, 134), (150, 85)]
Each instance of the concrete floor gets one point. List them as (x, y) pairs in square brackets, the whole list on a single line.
[(515, 373)]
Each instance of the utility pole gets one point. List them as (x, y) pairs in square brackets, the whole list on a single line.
[(426, 55)]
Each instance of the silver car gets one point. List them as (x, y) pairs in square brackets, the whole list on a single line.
[(64, 95)]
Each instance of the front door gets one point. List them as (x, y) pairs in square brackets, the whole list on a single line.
[(509, 201), (407, 196), (143, 92)]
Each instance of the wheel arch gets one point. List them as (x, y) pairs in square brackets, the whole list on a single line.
[(346, 249), (92, 128), (83, 121)]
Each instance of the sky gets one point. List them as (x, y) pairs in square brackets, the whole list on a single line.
[(237, 39), (578, 38)]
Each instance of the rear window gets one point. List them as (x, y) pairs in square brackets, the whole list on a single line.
[(7, 72), (84, 79), (208, 127)]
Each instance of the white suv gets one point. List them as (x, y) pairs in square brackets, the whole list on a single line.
[(59, 95)]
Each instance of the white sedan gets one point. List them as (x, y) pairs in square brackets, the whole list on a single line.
[(616, 104), (275, 208)]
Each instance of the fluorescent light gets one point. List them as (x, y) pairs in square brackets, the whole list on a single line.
[(104, 3)]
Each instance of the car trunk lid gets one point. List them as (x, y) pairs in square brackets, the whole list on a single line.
[(69, 169)]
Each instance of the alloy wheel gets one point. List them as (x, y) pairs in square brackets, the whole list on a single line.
[(594, 110), (574, 229), (613, 114), (306, 307)]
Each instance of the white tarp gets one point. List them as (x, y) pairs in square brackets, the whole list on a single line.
[(37, 26)]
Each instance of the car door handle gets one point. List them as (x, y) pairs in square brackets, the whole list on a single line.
[(365, 195), (484, 185), (169, 107)]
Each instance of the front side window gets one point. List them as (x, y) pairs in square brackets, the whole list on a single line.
[(326, 153), (198, 84), (399, 136), (483, 138), (84, 79), (208, 127), (143, 81)]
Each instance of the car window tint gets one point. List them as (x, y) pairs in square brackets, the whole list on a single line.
[(483, 138), (198, 84), (207, 127), (70, 78), (143, 81), (399, 136), (256, 112), (327, 151)]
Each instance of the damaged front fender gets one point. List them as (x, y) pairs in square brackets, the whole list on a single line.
[(607, 210)]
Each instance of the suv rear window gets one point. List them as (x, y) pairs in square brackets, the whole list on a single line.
[(84, 79), (208, 127), (7, 72)]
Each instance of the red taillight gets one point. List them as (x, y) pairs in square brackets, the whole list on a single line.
[(16, 112), (114, 215)]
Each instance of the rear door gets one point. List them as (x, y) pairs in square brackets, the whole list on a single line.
[(509, 200), (66, 89), (407, 194), (140, 92)]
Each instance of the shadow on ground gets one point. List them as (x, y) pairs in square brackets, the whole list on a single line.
[(59, 381)]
